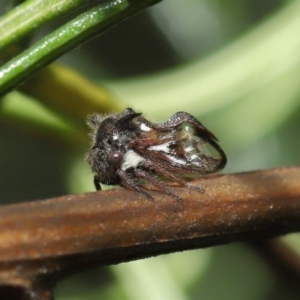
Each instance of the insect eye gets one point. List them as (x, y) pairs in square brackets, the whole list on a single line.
[(115, 157)]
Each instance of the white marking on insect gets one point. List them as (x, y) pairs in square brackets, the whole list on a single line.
[(162, 147), (194, 156), (131, 160), (144, 127), (176, 160), (189, 149)]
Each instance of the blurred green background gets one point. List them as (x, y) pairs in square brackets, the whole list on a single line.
[(235, 65)]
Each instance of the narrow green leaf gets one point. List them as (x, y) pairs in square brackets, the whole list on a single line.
[(90, 23), (31, 15)]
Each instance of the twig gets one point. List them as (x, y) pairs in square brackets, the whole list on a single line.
[(43, 241), (282, 259)]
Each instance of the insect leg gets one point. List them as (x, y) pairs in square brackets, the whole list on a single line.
[(162, 171), (97, 183), (145, 175), (128, 182)]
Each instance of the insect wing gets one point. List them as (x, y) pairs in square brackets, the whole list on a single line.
[(186, 151)]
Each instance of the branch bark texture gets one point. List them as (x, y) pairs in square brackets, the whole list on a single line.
[(43, 241)]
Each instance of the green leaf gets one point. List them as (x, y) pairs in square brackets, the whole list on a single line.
[(90, 23)]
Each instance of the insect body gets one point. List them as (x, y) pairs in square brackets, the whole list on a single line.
[(139, 155)]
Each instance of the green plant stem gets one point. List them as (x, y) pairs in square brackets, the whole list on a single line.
[(31, 15), (90, 23)]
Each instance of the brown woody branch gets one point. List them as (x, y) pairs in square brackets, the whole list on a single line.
[(43, 241)]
